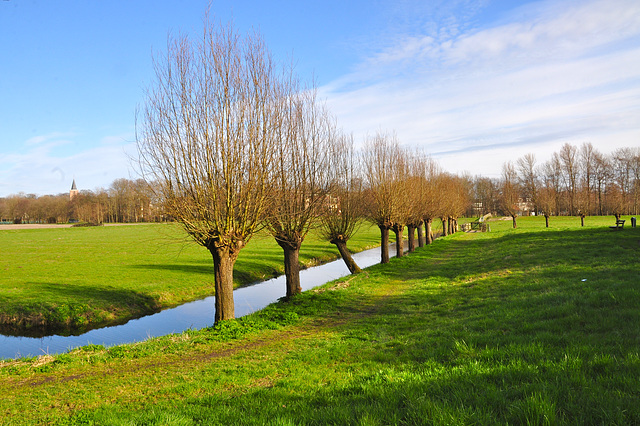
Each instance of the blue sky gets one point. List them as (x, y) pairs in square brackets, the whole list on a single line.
[(472, 82)]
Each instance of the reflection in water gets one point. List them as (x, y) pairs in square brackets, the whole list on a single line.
[(193, 315)]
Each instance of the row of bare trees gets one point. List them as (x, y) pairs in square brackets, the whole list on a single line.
[(235, 144), (407, 190), (124, 201), (576, 181)]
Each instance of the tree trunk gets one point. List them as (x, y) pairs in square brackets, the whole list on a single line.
[(384, 241), (346, 256), (546, 220), (420, 236), (445, 228), (411, 235), (599, 200), (223, 260), (427, 231), (291, 267), (581, 220), (397, 229), (514, 221)]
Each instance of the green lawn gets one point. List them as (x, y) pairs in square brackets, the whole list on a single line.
[(525, 326), (75, 278)]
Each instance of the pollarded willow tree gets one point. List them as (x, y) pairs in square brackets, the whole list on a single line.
[(421, 204), (401, 190), (429, 173), (207, 139), (414, 212), (453, 191), (343, 211), (380, 156), (304, 137)]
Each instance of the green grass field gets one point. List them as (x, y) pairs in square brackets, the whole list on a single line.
[(525, 326), (71, 279)]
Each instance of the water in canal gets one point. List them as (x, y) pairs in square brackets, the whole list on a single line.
[(193, 315)]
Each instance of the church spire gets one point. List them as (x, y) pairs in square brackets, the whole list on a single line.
[(74, 190)]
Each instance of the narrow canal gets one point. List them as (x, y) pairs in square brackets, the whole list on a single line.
[(193, 315)]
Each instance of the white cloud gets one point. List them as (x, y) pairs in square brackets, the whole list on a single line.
[(49, 140), (549, 73), (44, 165)]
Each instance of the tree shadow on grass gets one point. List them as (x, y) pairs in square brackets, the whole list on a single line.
[(175, 267)]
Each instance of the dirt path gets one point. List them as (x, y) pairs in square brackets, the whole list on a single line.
[(52, 226), (33, 226)]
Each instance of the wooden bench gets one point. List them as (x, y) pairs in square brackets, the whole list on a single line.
[(478, 225), (619, 225)]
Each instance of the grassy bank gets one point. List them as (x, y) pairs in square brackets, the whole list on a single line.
[(525, 326), (71, 279)]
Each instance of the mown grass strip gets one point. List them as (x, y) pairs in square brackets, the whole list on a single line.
[(497, 328)]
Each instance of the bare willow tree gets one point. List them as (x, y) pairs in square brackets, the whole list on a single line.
[(207, 139), (570, 168), (510, 191), (453, 200), (422, 198), (401, 188), (416, 184), (380, 156), (485, 195), (430, 196), (442, 184), (304, 135), (528, 178), (625, 190), (551, 172), (546, 200), (344, 207), (587, 182), (448, 208), (601, 176)]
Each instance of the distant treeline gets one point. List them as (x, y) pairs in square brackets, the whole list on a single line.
[(124, 201), (575, 181)]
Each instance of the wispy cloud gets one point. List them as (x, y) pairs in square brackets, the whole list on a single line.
[(49, 140), (547, 73), (44, 164)]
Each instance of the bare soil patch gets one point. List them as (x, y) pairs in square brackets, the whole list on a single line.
[(34, 226), (56, 225)]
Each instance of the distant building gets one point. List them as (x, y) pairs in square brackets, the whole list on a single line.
[(74, 190), (525, 207)]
